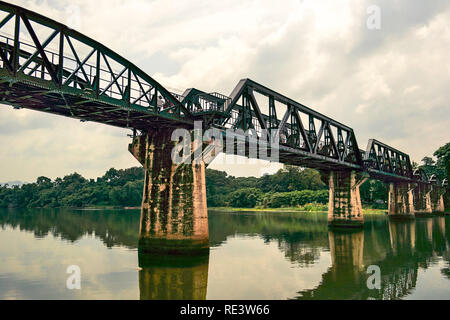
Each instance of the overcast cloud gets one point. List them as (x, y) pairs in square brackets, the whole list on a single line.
[(390, 84)]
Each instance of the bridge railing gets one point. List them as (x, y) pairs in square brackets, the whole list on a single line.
[(199, 102), (206, 102)]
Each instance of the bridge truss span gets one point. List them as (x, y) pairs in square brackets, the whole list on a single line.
[(387, 163), (306, 137)]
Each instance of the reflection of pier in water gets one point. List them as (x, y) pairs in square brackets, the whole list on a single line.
[(173, 277), (399, 248)]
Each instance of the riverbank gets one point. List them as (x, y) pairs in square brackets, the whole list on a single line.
[(308, 209), (293, 209), (106, 208)]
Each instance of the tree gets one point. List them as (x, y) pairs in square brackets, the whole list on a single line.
[(43, 181), (428, 166), (443, 161), (428, 161), (375, 193), (245, 198)]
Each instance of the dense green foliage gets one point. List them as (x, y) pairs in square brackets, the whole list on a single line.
[(374, 193), (441, 167), (245, 198), (223, 190), (295, 198), (289, 187), (443, 161), (116, 187)]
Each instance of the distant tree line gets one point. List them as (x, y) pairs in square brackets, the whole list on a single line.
[(115, 188), (124, 188), (289, 187)]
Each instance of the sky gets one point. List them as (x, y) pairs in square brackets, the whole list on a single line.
[(380, 67)]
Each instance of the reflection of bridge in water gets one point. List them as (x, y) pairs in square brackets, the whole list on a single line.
[(399, 251), (49, 67), (399, 248)]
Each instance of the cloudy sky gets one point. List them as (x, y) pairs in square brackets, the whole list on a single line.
[(390, 83)]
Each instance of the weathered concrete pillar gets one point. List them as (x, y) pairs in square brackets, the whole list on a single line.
[(401, 200), (170, 277), (422, 200), (437, 199), (344, 204), (174, 216)]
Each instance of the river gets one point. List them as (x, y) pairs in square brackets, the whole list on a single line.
[(254, 255)]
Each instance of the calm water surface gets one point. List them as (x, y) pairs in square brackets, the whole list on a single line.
[(252, 256)]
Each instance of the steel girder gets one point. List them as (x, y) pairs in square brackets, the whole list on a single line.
[(78, 77)]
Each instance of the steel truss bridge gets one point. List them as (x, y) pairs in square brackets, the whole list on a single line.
[(46, 66)]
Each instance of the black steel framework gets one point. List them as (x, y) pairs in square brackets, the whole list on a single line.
[(307, 138), (385, 163)]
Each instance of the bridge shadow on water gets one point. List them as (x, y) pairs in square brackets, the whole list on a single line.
[(399, 248)]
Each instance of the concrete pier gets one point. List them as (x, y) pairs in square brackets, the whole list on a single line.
[(344, 204), (422, 200), (174, 217), (401, 203), (437, 199)]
